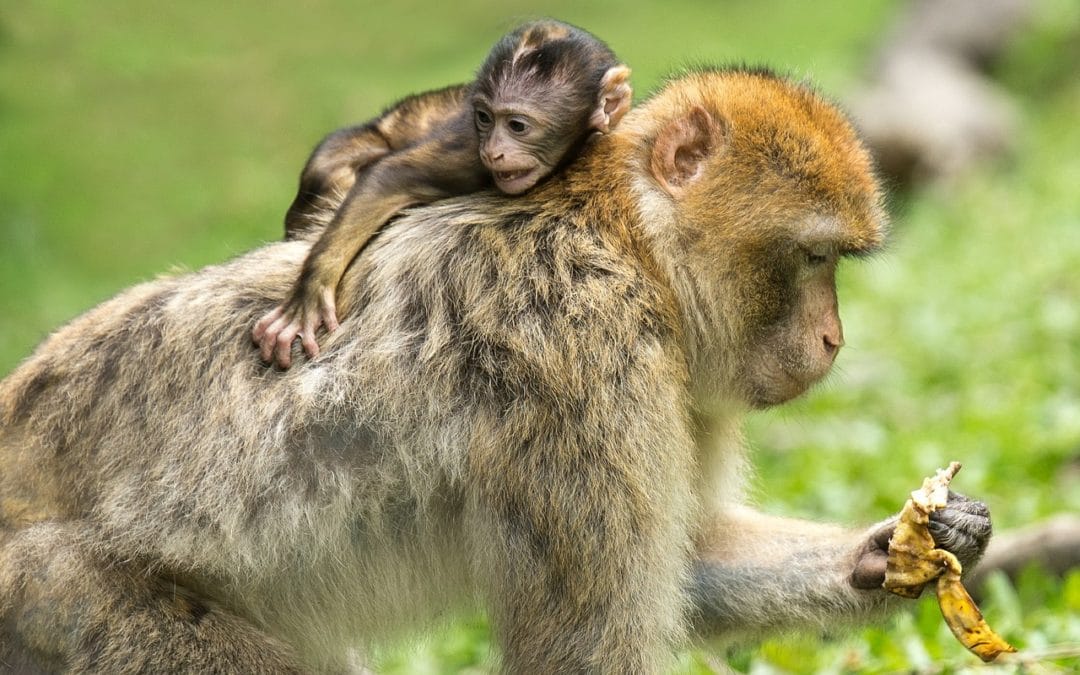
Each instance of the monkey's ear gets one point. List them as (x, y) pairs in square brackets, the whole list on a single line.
[(614, 100), (682, 148)]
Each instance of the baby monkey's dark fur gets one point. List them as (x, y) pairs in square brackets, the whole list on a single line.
[(541, 92)]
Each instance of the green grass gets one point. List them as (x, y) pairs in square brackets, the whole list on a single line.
[(138, 137)]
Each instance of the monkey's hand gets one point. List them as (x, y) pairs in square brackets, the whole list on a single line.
[(308, 307), (962, 527)]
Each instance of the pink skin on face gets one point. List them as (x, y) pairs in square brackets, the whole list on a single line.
[(513, 168), (514, 182)]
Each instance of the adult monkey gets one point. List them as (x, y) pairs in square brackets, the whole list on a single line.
[(534, 402)]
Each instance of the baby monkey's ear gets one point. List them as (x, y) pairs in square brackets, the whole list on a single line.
[(614, 99)]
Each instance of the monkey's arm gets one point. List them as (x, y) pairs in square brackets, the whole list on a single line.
[(330, 173), (757, 572), (442, 166), (343, 155)]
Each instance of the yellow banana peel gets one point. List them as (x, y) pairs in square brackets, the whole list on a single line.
[(914, 562)]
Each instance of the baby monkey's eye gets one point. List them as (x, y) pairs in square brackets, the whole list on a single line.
[(483, 119), (517, 126)]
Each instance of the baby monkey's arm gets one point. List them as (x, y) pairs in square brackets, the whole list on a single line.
[(345, 154), (441, 166)]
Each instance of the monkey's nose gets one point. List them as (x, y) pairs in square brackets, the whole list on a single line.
[(832, 342)]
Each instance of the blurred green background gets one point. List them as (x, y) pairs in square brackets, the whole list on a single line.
[(139, 138)]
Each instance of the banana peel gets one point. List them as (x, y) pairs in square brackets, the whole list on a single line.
[(914, 562)]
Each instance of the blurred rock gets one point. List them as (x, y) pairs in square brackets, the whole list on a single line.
[(929, 117), (974, 31), (928, 111)]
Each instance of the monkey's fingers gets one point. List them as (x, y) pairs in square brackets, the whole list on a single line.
[(276, 344), (262, 324), (966, 621), (311, 324), (269, 338), (329, 310), (283, 343)]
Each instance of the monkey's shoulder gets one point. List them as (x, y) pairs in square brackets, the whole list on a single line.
[(419, 115), (516, 294), (451, 97)]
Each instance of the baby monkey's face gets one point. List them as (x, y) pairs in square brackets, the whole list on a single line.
[(519, 144), (525, 133), (527, 124)]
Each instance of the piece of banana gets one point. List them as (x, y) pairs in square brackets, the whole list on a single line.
[(914, 562)]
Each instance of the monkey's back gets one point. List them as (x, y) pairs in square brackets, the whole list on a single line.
[(471, 325)]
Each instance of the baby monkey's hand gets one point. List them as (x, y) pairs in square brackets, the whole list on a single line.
[(309, 306)]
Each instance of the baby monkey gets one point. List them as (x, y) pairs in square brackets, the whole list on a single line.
[(541, 92)]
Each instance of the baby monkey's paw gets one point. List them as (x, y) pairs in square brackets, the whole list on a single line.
[(301, 315)]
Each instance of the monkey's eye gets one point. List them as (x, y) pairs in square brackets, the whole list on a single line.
[(483, 119), (815, 259), (517, 126)]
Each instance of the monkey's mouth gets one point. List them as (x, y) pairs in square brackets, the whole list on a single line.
[(516, 182)]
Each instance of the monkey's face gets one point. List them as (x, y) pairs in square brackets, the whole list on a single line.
[(763, 208), (776, 308), (519, 145), (793, 326), (537, 96)]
